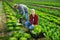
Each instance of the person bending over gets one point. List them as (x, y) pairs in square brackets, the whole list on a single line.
[(23, 10)]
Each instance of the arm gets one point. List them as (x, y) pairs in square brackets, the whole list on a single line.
[(30, 19), (19, 9), (23, 11), (36, 20)]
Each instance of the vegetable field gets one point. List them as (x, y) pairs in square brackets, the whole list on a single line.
[(48, 25)]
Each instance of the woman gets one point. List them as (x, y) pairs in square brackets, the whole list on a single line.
[(33, 20)]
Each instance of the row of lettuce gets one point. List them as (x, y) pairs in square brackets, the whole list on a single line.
[(53, 4), (46, 4), (46, 10), (46, 26)]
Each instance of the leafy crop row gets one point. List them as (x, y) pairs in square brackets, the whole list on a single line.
[(54, 4), (50, 29)]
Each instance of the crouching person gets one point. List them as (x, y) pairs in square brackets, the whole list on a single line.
[(33, 20)]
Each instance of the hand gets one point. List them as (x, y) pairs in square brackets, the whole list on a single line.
[(35, 25), (32, 24)]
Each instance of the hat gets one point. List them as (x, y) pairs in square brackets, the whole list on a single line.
[(33, 10)]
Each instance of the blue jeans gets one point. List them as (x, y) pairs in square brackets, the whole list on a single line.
[(29, 25), (26, 16)]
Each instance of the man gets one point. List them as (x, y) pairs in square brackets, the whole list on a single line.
[(23, 10), (33, 20)]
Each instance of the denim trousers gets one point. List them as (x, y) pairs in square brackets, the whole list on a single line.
[(29, 25)]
